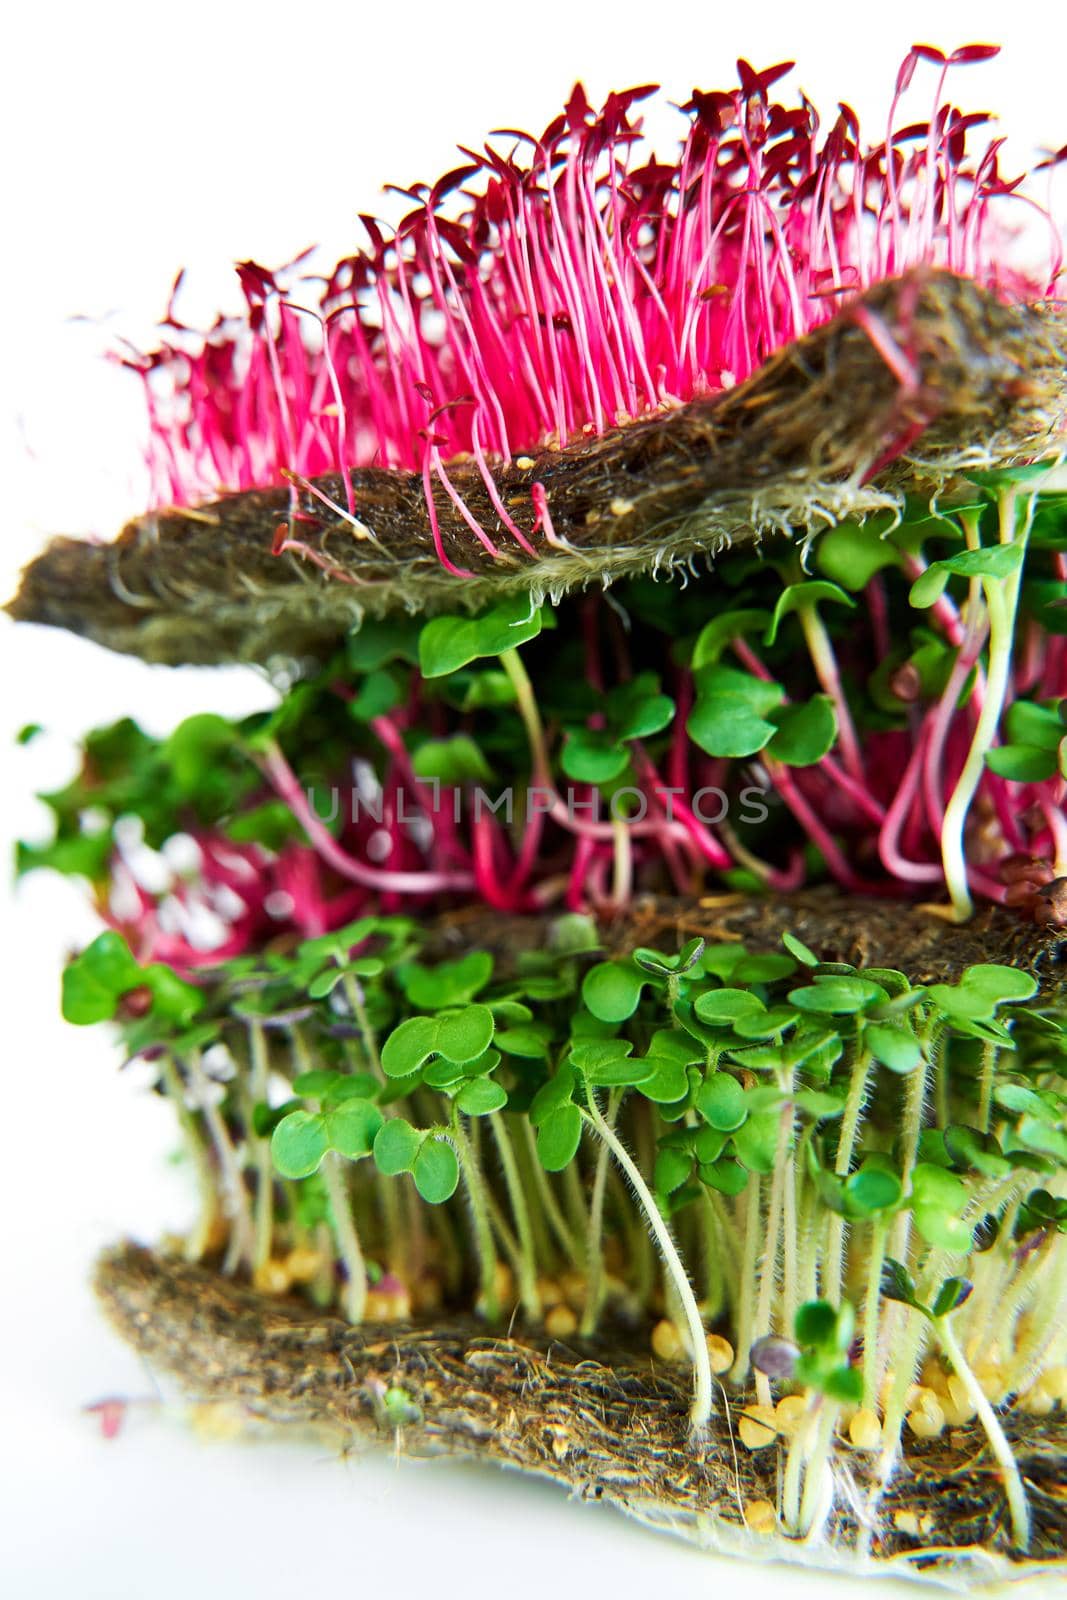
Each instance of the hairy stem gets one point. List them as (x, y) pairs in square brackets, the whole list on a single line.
[(474, 1183), (998, 1442), (527, 1262), (344, 1229), (264, 1211), (594, 1251), (700, 1410)]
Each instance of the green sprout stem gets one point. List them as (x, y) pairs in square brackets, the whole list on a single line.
[(526, 699), (824, 661), (990, 1052), (353, 993), (700, 1411), (1001, 598)]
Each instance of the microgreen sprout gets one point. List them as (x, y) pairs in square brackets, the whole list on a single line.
[(433, 958)]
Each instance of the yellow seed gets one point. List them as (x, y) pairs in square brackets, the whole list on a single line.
[(959, 1407), (1054, 1379), (272, 1277), (906, 1522), (427, 1294), (561, 1322), (760, 1516), (573, 1286), (991, 1380), (302, 1263), (788, 1412), (505, 1284), (550, 1292), (218, 1420), (524, 463), (865, 1431), (388, 1305), (1037, 1402), (920, 1396), (934, 1377), (927, 1421), (720, 1353), (667, 1342), (757, 1427)]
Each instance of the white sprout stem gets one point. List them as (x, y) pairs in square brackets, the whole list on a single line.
[(846, 1144), (1002, 598), (822, 656), (815, 1469), (700, 1411), (594, 1250), (197, 1241), (474, 1184), (235, 1196), (872, 1364), (348, 1245), (746, 1309), (264, 1205), (774, 1245), (990, 1052), (549, 1203), (527, 1262), (998, 1441)]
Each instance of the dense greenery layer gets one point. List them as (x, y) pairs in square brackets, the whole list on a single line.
[(589, 1137), (893, 720)]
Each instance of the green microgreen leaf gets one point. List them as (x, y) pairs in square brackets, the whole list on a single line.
[(834, 996), (853, 552), (812, 593), (454, 761), (436, 1171), (448, 643), (559, 1133), (612, 989), (805, 732), (396, 1144), (721, 1102), (299, 1143), (449, 983), (459, 1036), (481, 1096)]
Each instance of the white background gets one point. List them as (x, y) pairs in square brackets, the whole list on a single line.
[(136, 140)]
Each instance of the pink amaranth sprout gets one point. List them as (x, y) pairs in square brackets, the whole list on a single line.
[(566, 284), (560, 287)]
